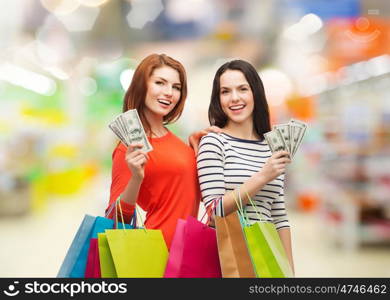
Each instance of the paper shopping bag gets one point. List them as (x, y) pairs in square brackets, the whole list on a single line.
[(99, 225), (75, 248), (138, 252), (195, 253), (232, 249), (107, 267), (172, 269), (93, 264), (266, 250)]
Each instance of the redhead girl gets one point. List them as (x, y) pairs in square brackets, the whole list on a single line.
[(163, 182)]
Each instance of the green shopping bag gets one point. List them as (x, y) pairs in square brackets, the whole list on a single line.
[(137, 252), (107, 267), (266, 250), (265, 247)]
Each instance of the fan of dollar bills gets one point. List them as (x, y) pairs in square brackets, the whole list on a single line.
[(128, 128), (286, 137)]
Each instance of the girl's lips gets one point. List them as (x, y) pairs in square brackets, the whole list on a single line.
[(236, 108), (164, 103)]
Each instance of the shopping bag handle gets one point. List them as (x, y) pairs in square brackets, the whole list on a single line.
[(134, 217), (109, 210), (240, 209), (133, 220), (258, 212), (211, 209)]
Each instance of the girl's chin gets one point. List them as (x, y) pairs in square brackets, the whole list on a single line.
[(161, 112), (237, 119)]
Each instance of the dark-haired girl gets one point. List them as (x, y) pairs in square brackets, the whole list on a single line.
[(238, 160)]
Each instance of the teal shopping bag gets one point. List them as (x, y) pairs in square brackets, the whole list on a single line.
[(75, 248), (75, 262), (100, 225)]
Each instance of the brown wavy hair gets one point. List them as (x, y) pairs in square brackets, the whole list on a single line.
[(136, 93)]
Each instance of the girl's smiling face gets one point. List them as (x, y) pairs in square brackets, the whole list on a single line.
[(236, 97), (164, 90)]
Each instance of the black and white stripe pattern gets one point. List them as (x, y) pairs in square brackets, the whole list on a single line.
[(225, 163)]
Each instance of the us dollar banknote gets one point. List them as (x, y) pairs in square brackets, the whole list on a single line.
[(275, 141), (286, 136), (128, 128), (284, 132), (298, 130)]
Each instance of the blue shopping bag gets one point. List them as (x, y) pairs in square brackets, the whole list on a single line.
[(100, 225), (75, 262), (78, 242)]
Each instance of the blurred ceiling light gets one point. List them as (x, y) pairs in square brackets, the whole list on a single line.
[(143, 11), (308, 25), (313, 85), (92, 3), (29, 80), (316, 64), (277, 86), (82, 19), (88, 86), (60, 7), (57, 72), (126, 77), (359, 71), (312, 22), (46, 54), (185, 11), (379, 65)]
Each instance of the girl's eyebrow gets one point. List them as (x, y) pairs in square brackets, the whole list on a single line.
[(163, 79), (241, 85)]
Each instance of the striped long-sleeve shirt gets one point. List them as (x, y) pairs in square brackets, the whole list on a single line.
[(224, 163)]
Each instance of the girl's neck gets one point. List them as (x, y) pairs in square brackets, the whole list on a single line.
[(241, 131), (157, 128)]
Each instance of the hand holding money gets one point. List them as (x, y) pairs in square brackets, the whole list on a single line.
[(136, 160), (128, 128), (275, 165), (286, 137)]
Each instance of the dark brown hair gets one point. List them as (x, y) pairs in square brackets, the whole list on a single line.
[(136, 93), (261, 117)]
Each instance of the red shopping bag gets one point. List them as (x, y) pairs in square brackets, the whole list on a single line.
[(93, 263)]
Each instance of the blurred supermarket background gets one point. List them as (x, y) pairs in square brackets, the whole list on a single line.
[(64, 67)]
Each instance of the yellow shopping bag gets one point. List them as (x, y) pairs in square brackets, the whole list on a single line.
[(107, 268), (137, 252)]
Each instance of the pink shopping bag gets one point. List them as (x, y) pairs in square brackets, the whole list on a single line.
[(93, 264), (172, 269), (194, 252)]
